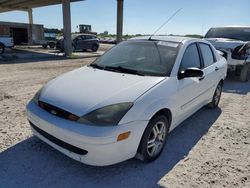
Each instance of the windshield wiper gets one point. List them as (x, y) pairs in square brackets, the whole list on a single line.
[(123, 70), (94, 65)]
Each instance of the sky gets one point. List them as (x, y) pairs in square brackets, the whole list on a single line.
[(143, 16)]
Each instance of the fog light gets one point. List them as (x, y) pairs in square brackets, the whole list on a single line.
[(123, 136)]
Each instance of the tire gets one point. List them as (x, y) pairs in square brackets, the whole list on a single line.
[(153, 139), (216, 97), (2, 48), (45, 46), (245, 73), (52, 45), (94, 48)]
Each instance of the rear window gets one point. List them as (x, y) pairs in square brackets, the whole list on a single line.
[(207, 54), (238, 33)]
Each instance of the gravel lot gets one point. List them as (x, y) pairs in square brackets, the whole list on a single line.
[(210, 149)]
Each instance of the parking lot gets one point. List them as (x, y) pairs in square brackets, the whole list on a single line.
[(20, 52), (210, 149)]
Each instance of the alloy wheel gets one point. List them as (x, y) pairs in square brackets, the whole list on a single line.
[(217, 94), (156, 139)]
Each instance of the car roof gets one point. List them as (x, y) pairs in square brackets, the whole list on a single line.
[(176, 39), (233, 26)]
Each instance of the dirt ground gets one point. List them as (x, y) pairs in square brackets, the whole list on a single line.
[(210, 149)]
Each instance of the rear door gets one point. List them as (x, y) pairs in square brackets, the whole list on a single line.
[(210, 69), (79, 42), (88, 41)]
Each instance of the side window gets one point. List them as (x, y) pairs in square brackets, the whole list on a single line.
[(207, 54), (79, 38), (88, 37), (83, 37), (190, 58)]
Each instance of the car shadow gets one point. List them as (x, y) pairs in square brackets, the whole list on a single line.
[(234, 85), (32, 163)]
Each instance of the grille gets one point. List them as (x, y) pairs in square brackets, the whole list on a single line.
[(58, 112), (59, 142)]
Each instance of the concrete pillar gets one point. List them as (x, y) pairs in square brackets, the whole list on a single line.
[(30, 33), (30, 12), (67, 27), (119, 25)]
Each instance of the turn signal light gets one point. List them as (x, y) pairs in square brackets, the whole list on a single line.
[(73, 117), (123, 136)]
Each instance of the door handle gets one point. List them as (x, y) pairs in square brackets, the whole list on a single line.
[(201, 78), (216, 69)]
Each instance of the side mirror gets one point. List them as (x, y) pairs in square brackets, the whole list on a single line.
[(190, 72)]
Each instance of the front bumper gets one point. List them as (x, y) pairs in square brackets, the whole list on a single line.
[(100, 143)]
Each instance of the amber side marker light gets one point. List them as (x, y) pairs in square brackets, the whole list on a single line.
[(73, 117), (123, 136)]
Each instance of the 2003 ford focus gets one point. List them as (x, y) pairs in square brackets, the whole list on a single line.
[(126, 102)]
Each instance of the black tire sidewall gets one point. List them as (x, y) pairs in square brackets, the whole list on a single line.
[(52, 45), (213, 104), (94, 48), (144, 141)]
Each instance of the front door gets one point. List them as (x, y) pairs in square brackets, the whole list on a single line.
[(189, 90)]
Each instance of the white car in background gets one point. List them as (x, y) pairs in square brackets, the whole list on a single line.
[(5, 42), (234, 43), (126, 102)]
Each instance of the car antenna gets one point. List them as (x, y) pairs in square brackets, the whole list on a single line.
[(170, 18)]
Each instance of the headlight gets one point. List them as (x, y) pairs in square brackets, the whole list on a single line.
[(36, 97), (108, 115)]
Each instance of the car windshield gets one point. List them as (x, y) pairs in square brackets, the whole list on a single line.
[(145, 57), (238, 33)]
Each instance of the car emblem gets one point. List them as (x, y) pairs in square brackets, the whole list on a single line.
[(53, 112)]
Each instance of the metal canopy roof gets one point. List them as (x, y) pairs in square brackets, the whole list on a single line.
[(11, 5)]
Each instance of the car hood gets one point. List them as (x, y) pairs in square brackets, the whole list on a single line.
[(86, 89), (224, 43)]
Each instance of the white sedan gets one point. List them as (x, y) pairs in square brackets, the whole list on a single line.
[(126, 102)]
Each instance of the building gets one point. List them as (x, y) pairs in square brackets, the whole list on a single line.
[(22, 33), (28, 5)]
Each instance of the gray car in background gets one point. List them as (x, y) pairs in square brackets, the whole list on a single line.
[(81, 42)]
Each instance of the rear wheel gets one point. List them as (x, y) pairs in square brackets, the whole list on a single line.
[(154, 138), (245, 73), (45, 45), (94, 48), (2, 48), (216, 97)]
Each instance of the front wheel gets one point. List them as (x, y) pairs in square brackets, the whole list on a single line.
[(154, 138), (216, 97), (52, 45)]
